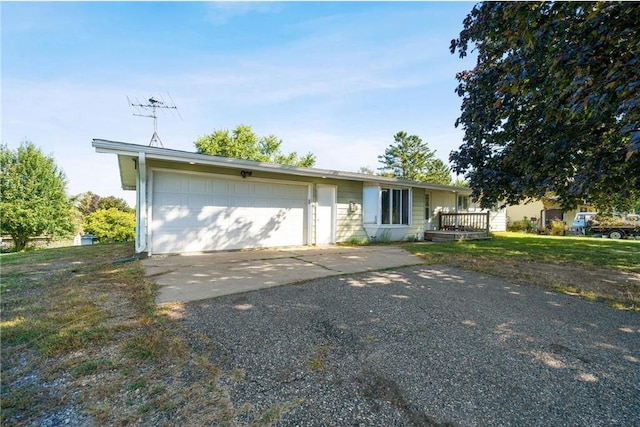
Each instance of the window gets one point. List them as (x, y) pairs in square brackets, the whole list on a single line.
[(427, 206), (370, 205), (463, 203), (390, 206), (395, 206)]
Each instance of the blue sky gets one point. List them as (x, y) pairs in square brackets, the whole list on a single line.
[(334, 78)]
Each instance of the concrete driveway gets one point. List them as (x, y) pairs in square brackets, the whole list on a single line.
[(196, 277)]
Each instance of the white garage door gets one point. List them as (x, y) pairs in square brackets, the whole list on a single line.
[(192, 213)]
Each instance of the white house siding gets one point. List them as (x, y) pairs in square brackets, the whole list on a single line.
[(498, 220), (349, 221), (416, 230), (518, 212), (441, 201)]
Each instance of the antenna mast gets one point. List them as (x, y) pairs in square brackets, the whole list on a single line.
[(153, 105)]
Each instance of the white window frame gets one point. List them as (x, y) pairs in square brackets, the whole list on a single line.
[(464, 202), (369, 219), (427, 208)]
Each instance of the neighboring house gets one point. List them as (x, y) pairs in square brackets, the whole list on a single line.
[(188, 202), (536, 209), (519, 212)]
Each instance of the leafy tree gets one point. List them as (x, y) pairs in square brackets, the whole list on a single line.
[(114, 202), (33, 196), (459, 182), (89, 202), (553, 102), (411, 159), (366, 170), (86, 203), (244, 144), (111, 225), (438, 173)]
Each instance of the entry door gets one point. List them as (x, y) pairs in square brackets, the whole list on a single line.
[(428, 220), (326, 215)]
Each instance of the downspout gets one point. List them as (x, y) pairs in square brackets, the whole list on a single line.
[(141, 200)]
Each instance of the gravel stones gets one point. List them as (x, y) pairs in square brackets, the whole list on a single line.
[(425, 346)]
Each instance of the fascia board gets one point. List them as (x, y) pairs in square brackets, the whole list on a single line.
[(123, 148)]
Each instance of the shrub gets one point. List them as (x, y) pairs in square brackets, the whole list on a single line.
[(111, 225), (384, 236), (358, 241), (557, 228), (527, 225), (515, 226)]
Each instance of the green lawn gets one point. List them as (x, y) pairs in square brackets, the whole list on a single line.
[(585, 251), (596, 269)]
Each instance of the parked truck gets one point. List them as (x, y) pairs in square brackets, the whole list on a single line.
[(616, 226)]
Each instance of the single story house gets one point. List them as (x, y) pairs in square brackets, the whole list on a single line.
[(189, 202), (543, 214)]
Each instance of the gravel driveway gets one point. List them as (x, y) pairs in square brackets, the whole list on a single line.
[(425, 346)]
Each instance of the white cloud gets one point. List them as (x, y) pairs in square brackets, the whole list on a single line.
[(221, 13), (340, 91)]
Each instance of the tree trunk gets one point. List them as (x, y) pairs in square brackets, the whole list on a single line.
[(20, 242)]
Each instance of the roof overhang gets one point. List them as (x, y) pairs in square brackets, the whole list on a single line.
[(128, 155)]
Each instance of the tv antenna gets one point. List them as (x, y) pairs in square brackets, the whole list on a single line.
[(154, 105)]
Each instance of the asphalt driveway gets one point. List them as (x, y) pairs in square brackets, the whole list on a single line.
[(422, 346)]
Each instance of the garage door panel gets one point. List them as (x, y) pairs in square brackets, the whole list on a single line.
[(216, 214), (240, 202), (165, 183), (169, 199), (296, 192), (219, 187), (196, 185), (237, 232), (242, 187), (196, 201)]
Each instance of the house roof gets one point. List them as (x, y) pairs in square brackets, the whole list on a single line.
[(128, 155)]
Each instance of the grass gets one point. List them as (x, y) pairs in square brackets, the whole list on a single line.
[(317, 362), (81, 332), (589, 252), (595, 269)]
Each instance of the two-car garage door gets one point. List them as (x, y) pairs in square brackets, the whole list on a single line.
[(197, 212)]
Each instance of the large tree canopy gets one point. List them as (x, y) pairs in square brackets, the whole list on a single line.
[(410, 158), (111, 225), (553, 104), (33, 196), (244, 144)]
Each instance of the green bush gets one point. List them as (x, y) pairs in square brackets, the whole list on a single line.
[(515, 226), (111, 225), (384, 236), (557, 228), (525, 225), (358, 241)]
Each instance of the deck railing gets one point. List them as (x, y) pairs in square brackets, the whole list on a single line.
[(464, 221)]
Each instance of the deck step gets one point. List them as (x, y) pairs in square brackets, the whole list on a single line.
[(449, 236)]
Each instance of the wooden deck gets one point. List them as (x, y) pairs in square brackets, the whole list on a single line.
[(453, 235)]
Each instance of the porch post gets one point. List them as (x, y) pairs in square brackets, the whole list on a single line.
[(455, 193), (488, 222)]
